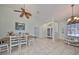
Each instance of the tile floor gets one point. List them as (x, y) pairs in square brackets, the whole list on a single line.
[(46, 47)]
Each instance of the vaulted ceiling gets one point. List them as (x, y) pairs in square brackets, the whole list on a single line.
[(43, 13)]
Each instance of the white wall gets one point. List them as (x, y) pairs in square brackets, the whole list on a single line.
[(62, 30), (8, 18)]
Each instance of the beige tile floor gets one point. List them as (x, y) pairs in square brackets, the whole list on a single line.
[(46, 47)]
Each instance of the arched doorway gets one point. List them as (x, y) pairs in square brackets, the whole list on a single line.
[(50, 30)]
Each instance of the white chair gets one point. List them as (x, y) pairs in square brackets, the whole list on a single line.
[(23, 41), (13, 42), (4, 47), (29, 41)]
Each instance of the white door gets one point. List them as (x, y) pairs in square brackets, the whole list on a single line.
[(36, 31)]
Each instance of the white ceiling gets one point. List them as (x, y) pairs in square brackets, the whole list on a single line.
[(47, 12)]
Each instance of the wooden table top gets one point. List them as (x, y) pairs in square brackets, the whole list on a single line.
[(8, 37)]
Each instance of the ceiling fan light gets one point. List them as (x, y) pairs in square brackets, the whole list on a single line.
[(75, 18), (68, 20)]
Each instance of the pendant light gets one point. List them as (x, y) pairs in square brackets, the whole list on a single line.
[(73, 19)]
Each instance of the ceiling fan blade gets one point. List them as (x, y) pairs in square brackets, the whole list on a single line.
[(28, 13), (22, 9), (17, 11), (21, 15), (27, 16)]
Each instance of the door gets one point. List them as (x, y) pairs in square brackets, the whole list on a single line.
[(49, 33), (36, 32)]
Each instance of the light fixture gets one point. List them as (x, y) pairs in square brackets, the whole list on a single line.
[(24, 12), (73, 19)]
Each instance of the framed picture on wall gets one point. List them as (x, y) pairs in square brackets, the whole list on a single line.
[(19, 26)]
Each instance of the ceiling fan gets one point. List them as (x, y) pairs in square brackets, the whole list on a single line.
[(24, 13)]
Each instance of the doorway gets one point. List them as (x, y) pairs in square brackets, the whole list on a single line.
[(49, 33)]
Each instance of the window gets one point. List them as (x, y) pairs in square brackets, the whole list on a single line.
[(77, 29), (73, 29), (19, 26)]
